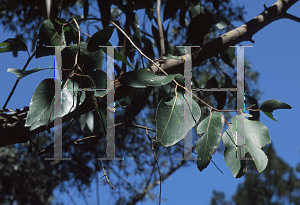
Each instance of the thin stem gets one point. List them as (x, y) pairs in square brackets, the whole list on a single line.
[(106, 175), (158, 169), (17, 81)]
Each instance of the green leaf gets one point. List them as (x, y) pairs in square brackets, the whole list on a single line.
[(139, 98), (98, 80), (137, 32), (150, 12), (228, 55), (256, 136), (212, 127), (100, 38), (221, 21), (148, 48), (270, 105), (180, 79), (40, 109), (238, 167), (115, 12), (49, 33), (143, 78), (13, 44), (173, 122), (23, 73), (194, 11), (87, 119), (118, 55), (87, 60), (270, 115)]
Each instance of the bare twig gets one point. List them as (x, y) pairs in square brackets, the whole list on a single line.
[(106, 175), (17, 81), (158, 169)]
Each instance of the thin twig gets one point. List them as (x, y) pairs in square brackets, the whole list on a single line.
[(17, 81), (106, 175), (121, 30), (196, 153), (158, 169), (138, 126)]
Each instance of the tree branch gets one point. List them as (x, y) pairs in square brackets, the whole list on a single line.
[(160, 29), (291, 17), (11, 135)]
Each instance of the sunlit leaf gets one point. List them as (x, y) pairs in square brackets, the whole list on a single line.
[(238, 167), (174, 119), (41, 110), (22, 73), (256, 136), (211, 127), (221, 21)]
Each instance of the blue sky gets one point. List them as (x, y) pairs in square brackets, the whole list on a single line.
[(275, 54)]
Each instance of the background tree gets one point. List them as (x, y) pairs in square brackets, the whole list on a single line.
[(133, 138), (278, 184)]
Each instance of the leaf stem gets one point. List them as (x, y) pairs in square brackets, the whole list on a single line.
[(17, 81)]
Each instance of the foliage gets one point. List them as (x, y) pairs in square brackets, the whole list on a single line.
[(168, 109)]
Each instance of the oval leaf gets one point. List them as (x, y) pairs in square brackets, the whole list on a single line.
[(41, 104), (221, 22), (118, 55), (270, 105), (139, 98), (100, 38), (98, 80), (22, 73), (228, 55), (143, 78), (13, 44), (172, 125)]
